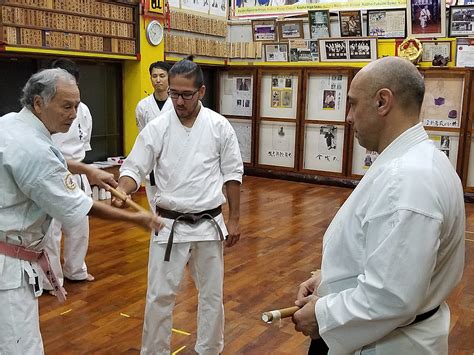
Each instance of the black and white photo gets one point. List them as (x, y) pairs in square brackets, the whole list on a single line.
[(319, 24), (461, 21)]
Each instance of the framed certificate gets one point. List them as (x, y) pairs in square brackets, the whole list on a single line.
[(386, 23)]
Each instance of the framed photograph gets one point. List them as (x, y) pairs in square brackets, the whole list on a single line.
[(443, 102), (290, 30), (465, 52), (326, 97), (243, 131), (363, 49), (236, 94), (432, 48), (426, 19), (303, 50), (461, 21), (276, 52), (323, 147), (319, 24), (279, 95), (264, 31), (387, 23), (350, 23), (277, 143)]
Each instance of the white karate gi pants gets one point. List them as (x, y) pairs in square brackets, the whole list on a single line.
[(206, 266), (76, 243), (19, 321)]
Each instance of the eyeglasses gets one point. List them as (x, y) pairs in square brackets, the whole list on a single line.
[(185, 95)]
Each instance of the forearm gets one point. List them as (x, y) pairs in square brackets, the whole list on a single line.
[(233, 198), (127, 185), (143, 219), (77, 167), (105, 211)]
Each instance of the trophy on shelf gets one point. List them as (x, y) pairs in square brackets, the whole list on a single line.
[(411, 49)]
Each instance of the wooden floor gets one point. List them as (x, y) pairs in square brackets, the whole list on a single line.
[(282, 225)]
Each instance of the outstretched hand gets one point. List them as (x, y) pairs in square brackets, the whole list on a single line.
[(101, 178)]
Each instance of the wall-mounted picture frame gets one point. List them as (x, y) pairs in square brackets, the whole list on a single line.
[(264, 30), (290, 30), (426, 20), (326, 97), (350, 23), (303, 50), (461, 21), (443, 102), (276, 52), (319, 24), (464, 52), (323, 147), (432, 48), (355, 49), (387, 23)]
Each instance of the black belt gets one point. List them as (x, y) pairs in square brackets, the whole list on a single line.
[(190, 218), (319, 347), (421, 317), (152, 178)]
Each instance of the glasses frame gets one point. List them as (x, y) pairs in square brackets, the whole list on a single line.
[(170, 94)]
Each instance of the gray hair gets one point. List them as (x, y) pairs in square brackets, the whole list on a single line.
[(43, 84)]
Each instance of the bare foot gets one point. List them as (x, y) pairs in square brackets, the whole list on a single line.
[(53, 293), (89, 277)]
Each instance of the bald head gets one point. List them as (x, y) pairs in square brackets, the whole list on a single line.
[(399, 76)]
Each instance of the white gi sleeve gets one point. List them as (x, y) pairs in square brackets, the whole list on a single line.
[(141, 160), (140, 113), (46, 181), (88, 128), (232, 166)]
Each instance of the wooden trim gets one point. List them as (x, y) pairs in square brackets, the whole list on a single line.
[(467, 135), (66, 52)]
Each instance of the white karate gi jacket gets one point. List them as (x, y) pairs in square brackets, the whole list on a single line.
[(147, 109), (190, 168), (77, 141), (395, 249), (35, 186)]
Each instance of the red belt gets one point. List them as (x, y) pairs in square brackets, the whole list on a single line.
[(41, 257)]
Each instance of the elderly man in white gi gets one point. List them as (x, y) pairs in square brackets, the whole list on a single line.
[(73, 145), (395, 249), (194, 152), (37, 186), (150, 108)]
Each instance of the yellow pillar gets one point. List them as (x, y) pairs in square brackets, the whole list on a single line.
[(136, 83)]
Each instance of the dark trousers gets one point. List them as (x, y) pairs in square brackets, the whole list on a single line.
[(318, 347)]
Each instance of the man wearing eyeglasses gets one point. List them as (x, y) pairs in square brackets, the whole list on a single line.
[(193, 152)]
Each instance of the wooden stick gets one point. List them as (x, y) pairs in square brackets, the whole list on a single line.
[(270, 316), (128, 201)]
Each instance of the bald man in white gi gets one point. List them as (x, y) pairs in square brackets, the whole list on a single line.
[(395, 249), (194, 153), (152, 107), (36, 186)]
